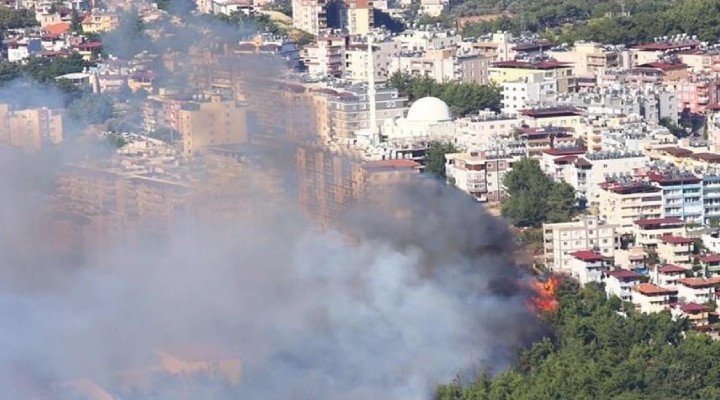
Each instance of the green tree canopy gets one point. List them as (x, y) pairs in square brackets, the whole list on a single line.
[(91, 109), (596, 353), (534, 198), (463, 98), (435, 158)]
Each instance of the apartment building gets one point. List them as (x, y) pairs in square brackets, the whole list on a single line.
[(555, 116), (485, 129), (667, 275), (30, 129), (587, 58), (620, 282), (357, 66), (326, 57), (310, 15), (711, 196), (329, 181), (210, 120), (647, 230), (675, 250), (508, 71), (438, 64), (348, 109), (698, 290), (623, 202), (682, 194), (315, 16), (600, 167), (420, 40), (479, 173), (528, 91), (649, 298), (100, 21), (587, 266), (563, 239)]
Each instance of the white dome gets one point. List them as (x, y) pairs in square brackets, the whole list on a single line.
[(429, 109)]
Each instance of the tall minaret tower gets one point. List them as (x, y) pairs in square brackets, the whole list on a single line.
[(374, 133)]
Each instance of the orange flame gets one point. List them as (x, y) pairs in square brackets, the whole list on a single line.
[(544, 299)]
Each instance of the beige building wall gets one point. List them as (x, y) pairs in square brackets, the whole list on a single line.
[(31, 129), (213, 122)]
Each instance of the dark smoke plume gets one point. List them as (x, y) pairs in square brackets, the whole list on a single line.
[(408, 291)]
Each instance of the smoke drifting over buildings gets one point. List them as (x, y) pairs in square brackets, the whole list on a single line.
[(410, 290)]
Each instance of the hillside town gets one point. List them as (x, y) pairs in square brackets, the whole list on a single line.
[(604, 156)]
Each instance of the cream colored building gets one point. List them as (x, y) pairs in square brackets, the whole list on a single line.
[(509, 71), (479, 173), (649, 298), (623, 203), (211, 120), (698, 290), (563, 239), (648, 230), (98, 22), (675, 250), (588, 57), (30, 129)]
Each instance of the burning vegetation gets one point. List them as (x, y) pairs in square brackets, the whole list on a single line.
[(545, 299)]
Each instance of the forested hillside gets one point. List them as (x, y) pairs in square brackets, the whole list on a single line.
[(597, 20), (598, 354)]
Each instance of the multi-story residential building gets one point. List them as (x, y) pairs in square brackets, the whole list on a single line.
[(508, 71), (667, 275), (650, 52), (587, 266), (564, 238), (485, 129), (553, 145), (695, 94), (560, 116), (620, 283), (210, 120), (710, 263), (315, 16), (697, 314), (623, 202), (682, 194), (647, 230), (356, 61), (711, 196), (588, 58), (698, 290), (675, 250), (649, 298), (30, 129), (420, 40), (479, 173), (100, 21), (349, 112), (528, 91), (326, 57), (600, 167), (438, 64)]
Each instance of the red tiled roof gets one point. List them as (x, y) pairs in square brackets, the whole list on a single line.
[(671, 269), (700, 282), (582, 162), (55, 30), (666, 45), (588, 256), (676, 151), (565, 152), (670, 239), (550, 112), (694, 308), (710, 258), (659, 221), (649, 288), (564, 159), (624, 274)]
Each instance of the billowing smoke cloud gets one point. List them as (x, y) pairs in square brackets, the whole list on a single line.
[(408, 292)]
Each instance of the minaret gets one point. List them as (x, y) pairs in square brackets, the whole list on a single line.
[(374, 134)]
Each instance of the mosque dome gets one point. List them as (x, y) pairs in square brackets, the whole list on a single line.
[(429, 109)]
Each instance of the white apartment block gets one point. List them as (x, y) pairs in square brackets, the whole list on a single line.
[(480, 174), (667, 276), (310, 15), (422, 40), (648, 230), (436, 64), (526, 92), (563, 239), (697, 290), (482, 131), (620, 283), (587, 266), (356, 61)]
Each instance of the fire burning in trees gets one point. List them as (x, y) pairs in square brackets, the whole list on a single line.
[(545, 291)]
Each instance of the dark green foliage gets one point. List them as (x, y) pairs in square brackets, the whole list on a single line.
[(570, 20), (598, 354), (75, 22), (116, 141), (45, 70), (463, 98), (253, 22), (11, 18), (435, 158), (534, 198)]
